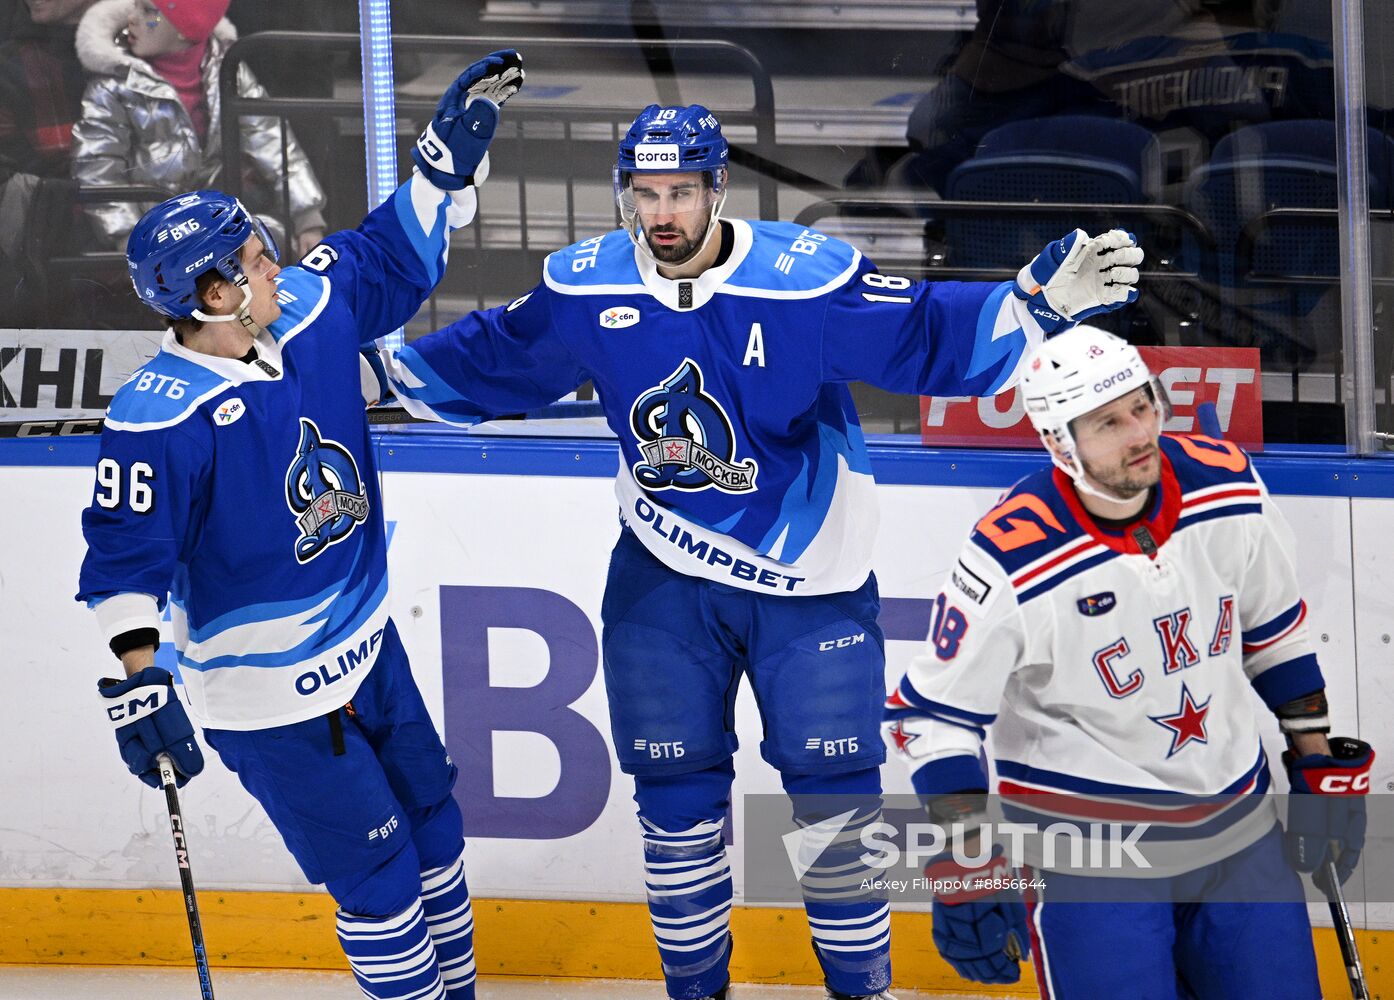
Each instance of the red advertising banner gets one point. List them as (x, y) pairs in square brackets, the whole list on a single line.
[(1229, 377)]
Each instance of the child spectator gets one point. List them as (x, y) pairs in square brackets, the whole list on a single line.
[(151, 116)]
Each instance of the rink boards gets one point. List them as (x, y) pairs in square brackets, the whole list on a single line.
[(498, 553)]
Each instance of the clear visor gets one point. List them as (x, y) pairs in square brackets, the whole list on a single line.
[(269, 241), (665, 203)]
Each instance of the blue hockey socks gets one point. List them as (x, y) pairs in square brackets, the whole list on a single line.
[(392, 957), (850, 919), (688, 880), (445, 897)]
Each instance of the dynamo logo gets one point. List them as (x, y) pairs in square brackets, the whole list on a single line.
[(324, 491), (686, 438)]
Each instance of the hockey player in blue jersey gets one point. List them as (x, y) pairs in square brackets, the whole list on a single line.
[(236, 476), (1111, 620), (721, 351)]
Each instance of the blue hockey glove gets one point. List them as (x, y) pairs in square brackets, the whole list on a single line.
[(979, 929), (150, 720), (1079, 276), (451, 153), (1326, 810)]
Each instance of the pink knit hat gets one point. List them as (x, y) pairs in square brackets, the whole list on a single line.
[(194, 19)]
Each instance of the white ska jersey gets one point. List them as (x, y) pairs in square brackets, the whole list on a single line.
[(1111, 666)]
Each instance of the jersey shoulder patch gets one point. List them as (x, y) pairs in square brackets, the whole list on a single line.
[(976, 582), (597, 266), (1030, 523), (792, 261), (1201, 462), (302, 295), (163, 392)]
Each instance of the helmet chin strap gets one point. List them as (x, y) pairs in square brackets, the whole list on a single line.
[(641, 240), (244, 311)]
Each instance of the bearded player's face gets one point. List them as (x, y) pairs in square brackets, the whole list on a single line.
[(1117, 443), (674, 212)]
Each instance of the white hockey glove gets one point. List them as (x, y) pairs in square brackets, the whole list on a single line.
[(453, 152), (1078, 276)]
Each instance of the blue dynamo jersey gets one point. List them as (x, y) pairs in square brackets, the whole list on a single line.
[(248, 492), (742, 458)]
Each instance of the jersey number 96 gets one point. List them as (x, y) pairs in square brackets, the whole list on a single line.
[(139, 494)]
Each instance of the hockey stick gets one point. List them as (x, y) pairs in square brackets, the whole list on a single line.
[(1345, 933), (1340, 916), (186, 875)]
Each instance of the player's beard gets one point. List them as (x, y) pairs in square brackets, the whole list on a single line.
[(1124, 481), (674, 253)]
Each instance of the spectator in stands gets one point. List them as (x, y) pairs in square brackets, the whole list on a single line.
[(40, 88), (41, 85), (1189, 70), (151, 116)]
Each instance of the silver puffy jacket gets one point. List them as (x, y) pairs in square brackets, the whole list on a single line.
[(135, 130)]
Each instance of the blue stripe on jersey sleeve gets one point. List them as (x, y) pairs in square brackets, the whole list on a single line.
[(951, 714), (1266, 631), (430, 246), (435, 393), (1001, 355), (1282, 683)]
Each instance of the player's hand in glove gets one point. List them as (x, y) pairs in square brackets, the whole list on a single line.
[(149, 720), (453, 151), (1079, 276), (1326, 810), (979, 930)]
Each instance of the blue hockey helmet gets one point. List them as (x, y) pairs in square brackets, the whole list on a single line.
[(180, 239), (673, 140)]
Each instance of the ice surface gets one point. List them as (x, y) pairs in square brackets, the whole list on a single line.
[(68, 983)]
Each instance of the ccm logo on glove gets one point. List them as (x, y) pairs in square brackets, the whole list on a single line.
[(1335, 783), (137, 704)]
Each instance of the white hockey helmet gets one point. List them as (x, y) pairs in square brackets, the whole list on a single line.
[(1074, 373)]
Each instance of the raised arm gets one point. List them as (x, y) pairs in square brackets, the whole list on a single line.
[(389, 265), (971, 338)]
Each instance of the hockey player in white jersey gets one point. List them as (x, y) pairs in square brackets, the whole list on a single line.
[(721, 351), (1110, 619), (236, 486)]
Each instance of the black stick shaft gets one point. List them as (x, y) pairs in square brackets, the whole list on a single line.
[(186, 876), (1345, 934)]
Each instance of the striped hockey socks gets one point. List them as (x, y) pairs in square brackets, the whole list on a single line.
[(392, 957), (446, 899)]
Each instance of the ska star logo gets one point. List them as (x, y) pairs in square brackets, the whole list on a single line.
[(900, 737), (1187, 725)]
